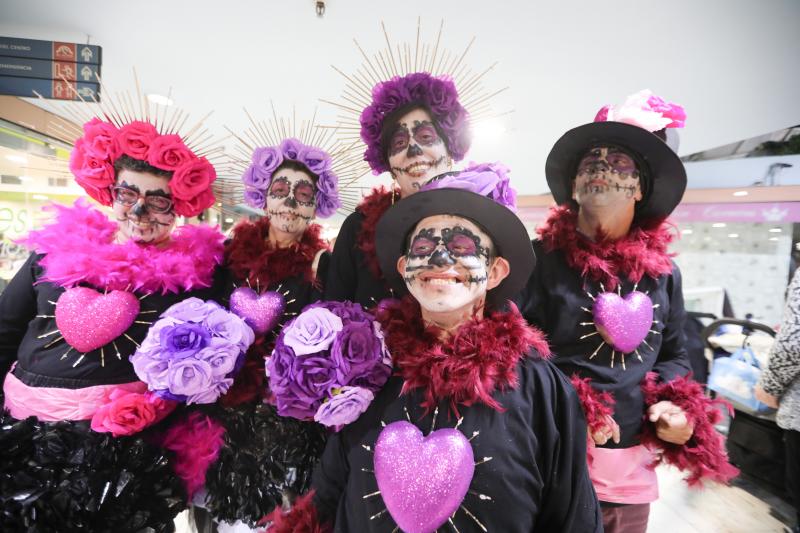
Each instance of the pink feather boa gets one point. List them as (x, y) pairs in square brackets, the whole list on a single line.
[(79, 247), (196, 442), (704, 456)]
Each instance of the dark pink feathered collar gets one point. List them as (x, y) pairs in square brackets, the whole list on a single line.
[(642, 252), (478, 360), (79, 247), (373, 206)]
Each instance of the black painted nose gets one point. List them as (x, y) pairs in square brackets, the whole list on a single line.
[(413, 150), (441, 258), (291, 202), (139, 209)]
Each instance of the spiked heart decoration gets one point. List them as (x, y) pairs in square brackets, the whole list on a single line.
[(623, 322), (422, 480), (262, 312), (89, 319)]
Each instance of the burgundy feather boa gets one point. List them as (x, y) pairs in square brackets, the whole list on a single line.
[(79, 247), (642, 252), (479, 359), (195, 441), (250, 256), (704, 456), (596, 405), (301, 518), (373, 206)]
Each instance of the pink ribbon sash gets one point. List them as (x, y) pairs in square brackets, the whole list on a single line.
[(623, 475)]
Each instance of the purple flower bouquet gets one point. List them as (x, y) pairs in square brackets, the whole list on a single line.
[(328, 363), (192, 353)]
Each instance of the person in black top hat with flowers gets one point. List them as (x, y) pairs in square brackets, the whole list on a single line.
[(608, 296)]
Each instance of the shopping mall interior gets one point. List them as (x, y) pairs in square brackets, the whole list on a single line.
[(237, 75)]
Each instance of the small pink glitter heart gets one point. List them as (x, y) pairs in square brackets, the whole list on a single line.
[(262, 312), (88, 319), (623, 322), (422, 480)]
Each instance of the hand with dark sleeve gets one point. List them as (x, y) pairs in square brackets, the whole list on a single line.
[(673, 359), (340, 281), (17, 309), (570, 503)]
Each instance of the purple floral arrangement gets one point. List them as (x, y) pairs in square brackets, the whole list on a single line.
[(438, 94), (192, 353), (486, 179), (328, 363), (266, 159)]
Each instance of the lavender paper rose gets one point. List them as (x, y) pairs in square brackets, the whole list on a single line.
[(344, 407), (189, 376), (267, 159), (183, 340), (191, 310), (313, 331), (230, 327), (254, 197), (355, 351)]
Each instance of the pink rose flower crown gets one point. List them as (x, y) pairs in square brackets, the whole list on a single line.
[(148, 133), (418, 72), (281, 139)]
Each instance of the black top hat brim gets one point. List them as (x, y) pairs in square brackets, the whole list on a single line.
[(506, 230), (664, 172)]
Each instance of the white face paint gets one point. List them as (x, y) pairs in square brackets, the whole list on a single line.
[(606, 177), (416, 151), (446, 266), (291, 200), (140, 200)]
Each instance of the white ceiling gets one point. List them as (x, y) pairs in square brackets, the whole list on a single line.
[(732, 63)]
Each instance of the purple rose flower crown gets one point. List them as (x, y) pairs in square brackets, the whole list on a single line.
[(328, 364), (421, 72), (486, 179), (266, 144)]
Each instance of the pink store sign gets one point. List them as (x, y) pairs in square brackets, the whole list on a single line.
[(774, 212)]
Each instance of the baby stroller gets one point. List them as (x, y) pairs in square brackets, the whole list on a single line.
[(755, 442)]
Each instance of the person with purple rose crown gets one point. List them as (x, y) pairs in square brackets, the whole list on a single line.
[(276, 263), (476, 430), (79, 430), (608, 296), (416, 125)]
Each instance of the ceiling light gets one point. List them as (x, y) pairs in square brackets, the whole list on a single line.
[(39, 197), (775, 230), (718, 225), (733, 235), (229, 220), (741, 193), (159, 99), (773, 238), (687, 231), (18, 159)]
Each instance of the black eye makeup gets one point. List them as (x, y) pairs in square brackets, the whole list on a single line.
[(304, 193), (461, 242), (280, 187), (399, 140), (423, 244), (425, 133)]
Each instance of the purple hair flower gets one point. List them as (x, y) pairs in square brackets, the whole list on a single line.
[(438, 94), (486, 179), (266, 159)]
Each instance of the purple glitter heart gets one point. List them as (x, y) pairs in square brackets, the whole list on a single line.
[(422, 480), (88, 319), (262, 312), (623, 322)]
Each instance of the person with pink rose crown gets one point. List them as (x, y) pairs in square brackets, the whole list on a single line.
[(79, 429), (608, 296), (476, 430)]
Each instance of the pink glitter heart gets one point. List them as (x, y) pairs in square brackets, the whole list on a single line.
[(261, 312), (422, 480), (623, 323), (88, 319)]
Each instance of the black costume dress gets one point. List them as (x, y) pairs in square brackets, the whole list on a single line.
[(266, 458), (62, 475), (536, 477)]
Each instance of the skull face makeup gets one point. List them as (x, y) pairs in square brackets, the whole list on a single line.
[(416, 151), (142, 207), (448, 263), (606, 176), (291, 200)]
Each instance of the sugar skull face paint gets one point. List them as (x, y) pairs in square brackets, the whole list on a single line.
[(606, 176), (416, 151), (143, 207), (447, 263), (291, 200)]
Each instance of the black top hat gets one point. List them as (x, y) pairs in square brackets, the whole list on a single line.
[(663, 176), (501, 224)]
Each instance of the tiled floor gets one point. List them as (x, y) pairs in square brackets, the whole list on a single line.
[(742, 507)]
